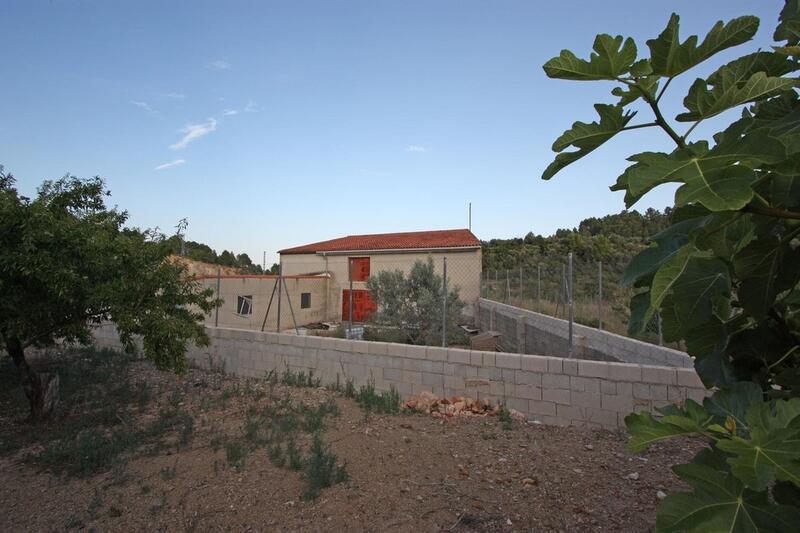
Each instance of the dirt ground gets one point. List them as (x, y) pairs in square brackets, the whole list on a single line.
[(405, 472)]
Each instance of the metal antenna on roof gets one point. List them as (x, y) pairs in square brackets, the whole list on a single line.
[(470, 216)]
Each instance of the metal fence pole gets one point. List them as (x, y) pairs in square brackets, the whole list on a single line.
[(216, 311), (600, 295), (539, 287), (280, 282), (508, 287), (444, 303), (660, 334), (350, 303), (521, 291), (569, 296)]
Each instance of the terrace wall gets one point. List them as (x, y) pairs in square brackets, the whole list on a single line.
[(552, 390), (526, 331)]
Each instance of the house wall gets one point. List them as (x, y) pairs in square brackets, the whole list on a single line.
[(463, 271), (260, 288), (552, 390), (526, 331)]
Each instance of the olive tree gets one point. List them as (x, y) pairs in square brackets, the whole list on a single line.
[(413, 303), (725, 275), (67, 263)]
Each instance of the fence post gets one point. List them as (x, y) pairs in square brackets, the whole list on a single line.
[(569, 296), (600, 295), (508, 287), (350, 297), (539, 287), (280, 282), (658, 325), (216, 310), (444, 303), (521, 291)]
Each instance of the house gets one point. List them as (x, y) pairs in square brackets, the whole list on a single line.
[(360, 256), (250, 301)]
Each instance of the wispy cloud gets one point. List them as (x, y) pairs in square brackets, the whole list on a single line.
[(416, 148), (219, 64), (229, 112), (142, 105), (175, 163), (175, 96), (251, 107), (193, 132)]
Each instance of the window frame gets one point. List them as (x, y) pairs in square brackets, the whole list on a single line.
[(305, 304), (240, 300)]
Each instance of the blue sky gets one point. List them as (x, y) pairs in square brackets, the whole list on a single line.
[(272, 124)]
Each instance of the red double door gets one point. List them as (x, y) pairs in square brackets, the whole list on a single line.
[(363, 306)]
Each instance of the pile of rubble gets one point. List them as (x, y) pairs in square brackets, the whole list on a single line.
[(429, 403)]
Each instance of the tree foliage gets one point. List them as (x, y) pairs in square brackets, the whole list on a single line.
[(68, 262), (413, 303), (725, 274)]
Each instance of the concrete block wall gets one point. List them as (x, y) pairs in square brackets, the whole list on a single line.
[(526, 331), (552, 390)]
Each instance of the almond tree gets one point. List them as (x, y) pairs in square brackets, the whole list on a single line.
[(67, 262)]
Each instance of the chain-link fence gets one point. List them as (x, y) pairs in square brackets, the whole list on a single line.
[(588, 293), (267, 303)]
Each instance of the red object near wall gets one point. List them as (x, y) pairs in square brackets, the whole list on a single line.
[(363, 306), (359, 268)]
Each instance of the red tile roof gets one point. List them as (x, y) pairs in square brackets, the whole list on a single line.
[(413, 240)]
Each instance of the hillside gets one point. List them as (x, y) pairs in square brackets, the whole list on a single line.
[(612, 240)]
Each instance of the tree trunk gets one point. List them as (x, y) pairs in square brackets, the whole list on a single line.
[(40, 388)]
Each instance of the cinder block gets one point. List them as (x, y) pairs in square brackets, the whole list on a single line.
[(659, 374), (379, 348), (361, 346), (458, 356), (542, 408), (393, 374), (606, 418), (570, 412), (593, 369), (504, 360), (555, 365), (489, 359), (658, 392), (433, 367), (641, 391), (436, 354), (676, 394), (624, 372), (410, 376), (490, 373), (518, 404), (580, 384), (585, 399), (555, 381), (476, 358), (412, 364), (432, 379), (415, 352), (608, 387), (624, 388), (299, 340), (620, 404), (687, 377), (533, 363), (527, 378), (556, 395), (570, 367), (529, 392), (454, 382)]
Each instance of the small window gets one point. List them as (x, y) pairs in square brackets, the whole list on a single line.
[(359, 268), (244, 305), (305, 300)]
